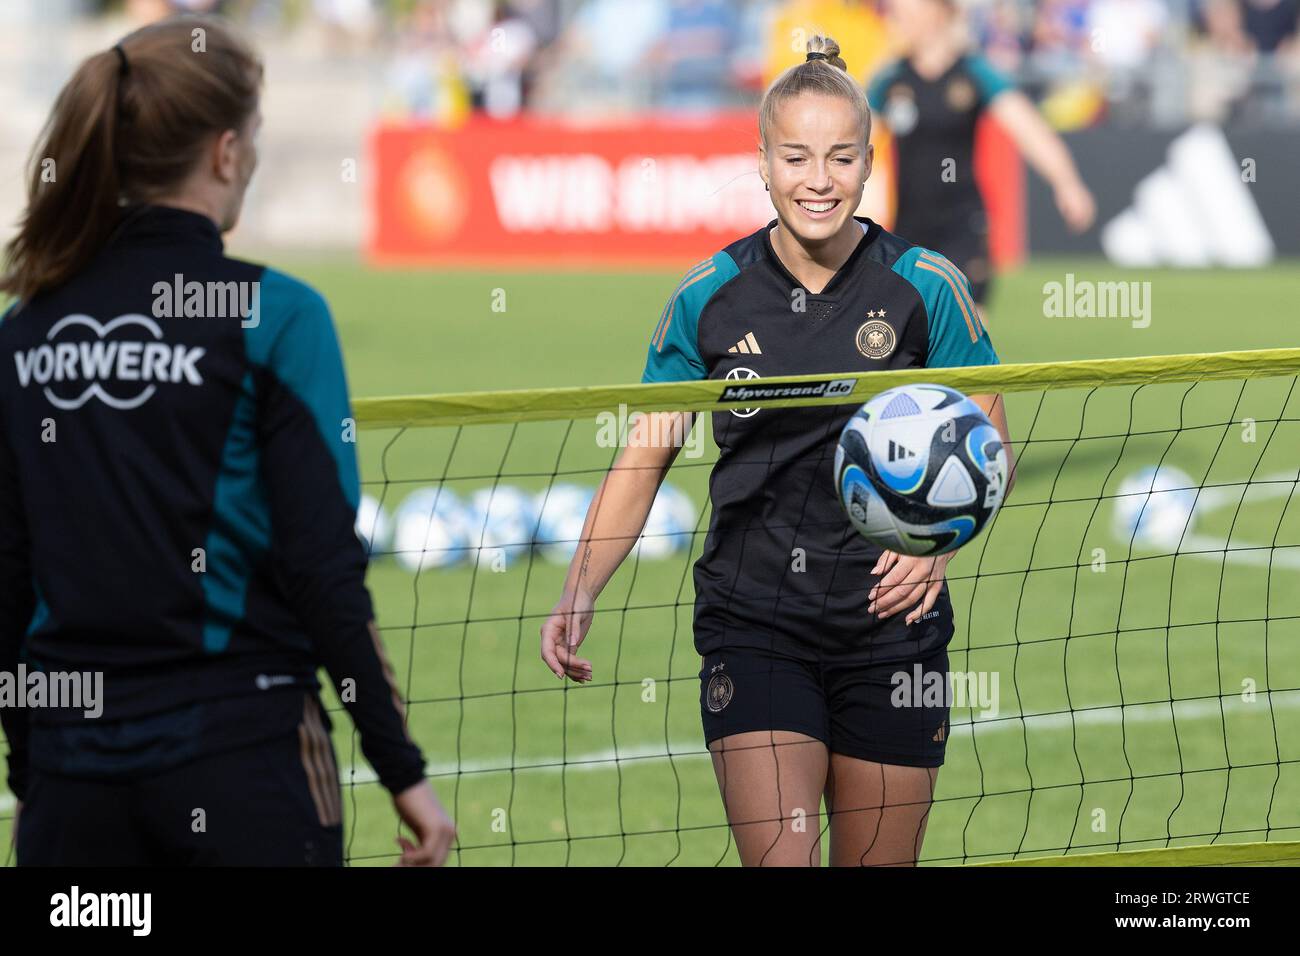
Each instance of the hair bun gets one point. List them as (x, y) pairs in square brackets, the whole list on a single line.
[(825, 48), (821, 74)]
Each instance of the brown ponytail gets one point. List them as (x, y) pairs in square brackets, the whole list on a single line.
[(128, 126)]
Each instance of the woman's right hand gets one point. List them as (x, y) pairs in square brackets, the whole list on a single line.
[(562, 634), (1076, 205)]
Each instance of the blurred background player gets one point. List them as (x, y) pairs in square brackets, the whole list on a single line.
[(191, 539), (798, 663), (930, 99)]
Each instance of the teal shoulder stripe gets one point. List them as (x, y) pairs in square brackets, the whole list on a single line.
[(955, 334), (674, 352), (960, 284), (289, 333), (694, 292), (879, 84), (989, 80), (241, 524), (691, 273), (292, 334)]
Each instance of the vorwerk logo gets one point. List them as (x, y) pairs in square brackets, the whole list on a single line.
[(131, 365)]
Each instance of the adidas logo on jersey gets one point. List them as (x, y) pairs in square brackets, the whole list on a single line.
[(897, 452), (81, 366), (747, 346)]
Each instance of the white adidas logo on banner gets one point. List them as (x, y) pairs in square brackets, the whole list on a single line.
[(1193, 212)]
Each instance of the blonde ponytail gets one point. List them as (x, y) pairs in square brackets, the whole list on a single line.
[(824, 73)]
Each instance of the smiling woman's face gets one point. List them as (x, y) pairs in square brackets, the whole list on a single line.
[(815, 162)]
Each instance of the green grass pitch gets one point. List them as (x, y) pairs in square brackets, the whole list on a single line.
[(1051, 598)]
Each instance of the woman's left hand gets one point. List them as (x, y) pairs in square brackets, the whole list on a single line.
[(908, 582)]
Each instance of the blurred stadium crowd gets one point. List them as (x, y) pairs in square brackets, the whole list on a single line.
[(1138, 62)]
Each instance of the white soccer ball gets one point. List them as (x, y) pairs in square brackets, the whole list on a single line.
[(502, 525), (374, 527), (430, 530), (561, 513), (920, 469), (1154, 507), (669, 527)]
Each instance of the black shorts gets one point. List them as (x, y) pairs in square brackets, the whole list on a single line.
[(275, 803), (858, 710)]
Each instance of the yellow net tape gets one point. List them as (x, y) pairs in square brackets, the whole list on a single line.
[(553, 404)]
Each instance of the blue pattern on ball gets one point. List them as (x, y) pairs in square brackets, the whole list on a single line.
[(896, 455)]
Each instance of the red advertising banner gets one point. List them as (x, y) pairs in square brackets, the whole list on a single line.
[(543, 192)]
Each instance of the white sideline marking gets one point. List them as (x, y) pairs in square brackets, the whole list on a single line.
[(692, 749), (683, 750), (598, 760), (1217, 550), (1158, 712)]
